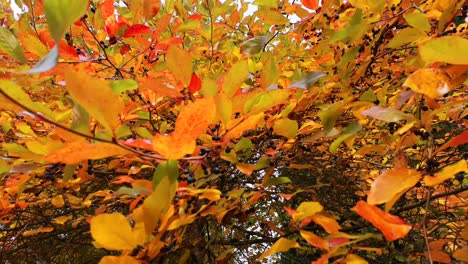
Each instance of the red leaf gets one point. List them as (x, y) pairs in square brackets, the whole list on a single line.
[(195, 17), (107, 8), (311, 4), (195, 84), (391, 226), (114, 25), (124, 49), (456, 141), (183, 184), (137, 29)]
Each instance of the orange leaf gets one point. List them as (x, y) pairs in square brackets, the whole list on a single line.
[(392, 183), (235, 129), (75, 152), (119, 260), (38, 231), (311, 4), (326, 222), (193, 120), (446, 173), (151, 8), (58, 201), (314, 240), (107, 8), (391, 226)]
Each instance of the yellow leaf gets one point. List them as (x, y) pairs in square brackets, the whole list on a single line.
[(446, 173), (157, 203), (431, 82), (286, 127), (181, 222), (95, 96), (266, 100), (210, 194), (223, 107), (172, 147), (448, 49), (354, 259), (119, 260), (61, 14), (328, 223), (179, 63), (306, 209), (75, 152), (391, 183), (418, 20), (57, 201), (235, 77), (245, 168), (314, 240), (38, 231), (113, 232), (404, 36), (282, 245)]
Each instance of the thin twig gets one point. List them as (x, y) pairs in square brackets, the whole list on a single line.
[(426, 239)]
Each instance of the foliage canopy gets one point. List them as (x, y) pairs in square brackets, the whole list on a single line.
[(205, 132)]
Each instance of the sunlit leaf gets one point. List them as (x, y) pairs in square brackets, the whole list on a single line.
[(308, 80), (75, 152), (119, 260), (113, 232), (311, 4), (387, 114), (306, 209), (327, 222), (314, 240), (235, 77), (61, 14), (135, 30), (448, 172), (431, 82), (348, 132), (329, 115), (10, 45), (391, 183), (391, 226), (277, 181), (157, 203), (444, 49), (235, 129), (456, 141), (282, 245), (418, 20), (354, 259), (121, 86), (404, 36), (179, 63), (95, 96), (62, 219)]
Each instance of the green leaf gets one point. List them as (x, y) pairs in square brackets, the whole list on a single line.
[(244, 143), (47, 63), (405, 36), (168, 168), (10, 45), (286, 127), (254, 45), (209, 87), (348, 132), (277, 181), (418, 20), (449, 49), (368, 96), (158, 202), (121, 86), (269, 76), (235, 77), (329, 115), (61, 14)]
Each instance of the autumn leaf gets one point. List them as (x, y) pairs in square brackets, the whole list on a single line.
[(444, 49), (388, 114), (119, 260), (113, 232), (60, 15), (456, 141), (448, 172), (392, 183), (306, 209), (314, 240), (311, 4), (95, 96), (431, 82), (75, 152), (391, 226), (179, 63), (282, 245), (10, 45), (38, 231), (193, 120)]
